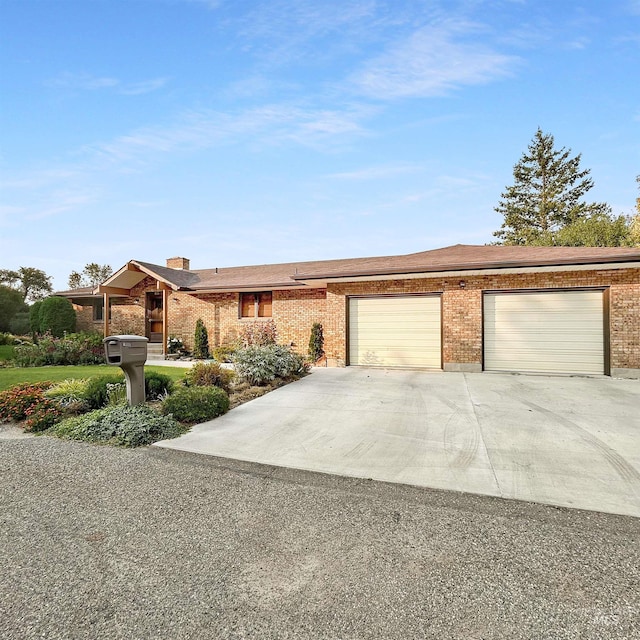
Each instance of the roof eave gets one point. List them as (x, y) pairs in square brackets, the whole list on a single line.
[(471, 266)]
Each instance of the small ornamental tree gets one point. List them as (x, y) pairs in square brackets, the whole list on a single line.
[(201, 341), (316, 342), (57, 316)]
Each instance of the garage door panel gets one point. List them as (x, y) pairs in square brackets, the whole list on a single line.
[(559, 332), (402, 331)]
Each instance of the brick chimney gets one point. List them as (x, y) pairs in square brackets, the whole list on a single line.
[(178, 263)]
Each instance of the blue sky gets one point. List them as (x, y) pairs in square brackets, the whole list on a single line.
[(244, 132)]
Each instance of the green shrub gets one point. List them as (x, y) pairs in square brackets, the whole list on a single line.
[(73, 349), (316, 342), (261, 365), (34, 318), (122, 426), (96, 393), (201, 341), (16, 402), (209, 374), (196, 404), (11, 303), (57, 316), (20, 323), (156, 385), (224, 352)]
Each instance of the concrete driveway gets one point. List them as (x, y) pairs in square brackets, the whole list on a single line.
[(565, 441)]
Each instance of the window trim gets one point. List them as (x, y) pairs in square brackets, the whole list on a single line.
[(256, 305)]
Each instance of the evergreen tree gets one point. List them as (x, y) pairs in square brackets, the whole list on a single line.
[(201, 340), (546, 195), (316, 342)]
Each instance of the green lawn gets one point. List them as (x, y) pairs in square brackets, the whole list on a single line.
[(6, 351), (10, 376)]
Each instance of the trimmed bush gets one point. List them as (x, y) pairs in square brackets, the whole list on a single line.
[(96, 393), (209, 374), (316, 342), (196, 404), (57, 316), (261, 365), (122, 426), (201, 341), (157, 385)]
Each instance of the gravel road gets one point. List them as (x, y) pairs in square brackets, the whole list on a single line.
[(97, 542)]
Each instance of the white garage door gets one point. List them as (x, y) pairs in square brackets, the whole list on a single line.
[(560, 331), (401, 331)]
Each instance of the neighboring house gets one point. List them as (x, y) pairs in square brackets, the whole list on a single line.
[(460, 308)]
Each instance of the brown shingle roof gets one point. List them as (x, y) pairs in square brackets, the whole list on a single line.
[(458, 257), (461, 257)]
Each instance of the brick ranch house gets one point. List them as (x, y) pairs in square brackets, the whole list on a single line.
[(459, 308)]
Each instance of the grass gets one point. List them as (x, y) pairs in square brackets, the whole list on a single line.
[(6, 352), (10, 376)]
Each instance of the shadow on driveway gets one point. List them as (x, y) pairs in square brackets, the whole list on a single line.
[(564, 441)]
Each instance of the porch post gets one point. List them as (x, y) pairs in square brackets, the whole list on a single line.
[(165, 320), (105, 313)]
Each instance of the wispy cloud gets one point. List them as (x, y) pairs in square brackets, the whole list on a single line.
[(433, 61), (269, 124), (88, 82), (377, 173), (283, 32)]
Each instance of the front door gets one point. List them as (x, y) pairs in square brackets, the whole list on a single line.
[(154, 317)]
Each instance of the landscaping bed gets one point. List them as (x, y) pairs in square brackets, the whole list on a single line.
[(89, 402)]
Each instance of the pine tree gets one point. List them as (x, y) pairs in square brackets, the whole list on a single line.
[(201, 340), (546, 195)]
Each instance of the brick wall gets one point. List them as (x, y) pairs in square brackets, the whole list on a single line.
[(84, 319), (293, 312), (462, 310)]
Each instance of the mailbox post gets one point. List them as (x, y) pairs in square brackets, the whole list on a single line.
[(130, 354)]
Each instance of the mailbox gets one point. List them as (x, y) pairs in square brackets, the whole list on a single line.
[(130, 354)]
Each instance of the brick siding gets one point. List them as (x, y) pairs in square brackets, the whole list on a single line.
[(294, 312), (462, 310)]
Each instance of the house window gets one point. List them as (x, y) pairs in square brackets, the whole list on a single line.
[(98, 310), (255, 305)]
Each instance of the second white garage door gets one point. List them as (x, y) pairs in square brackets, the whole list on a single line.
[(395, 331), (553, 332)]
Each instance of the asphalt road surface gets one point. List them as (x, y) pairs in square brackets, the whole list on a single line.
[(97, 542)]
